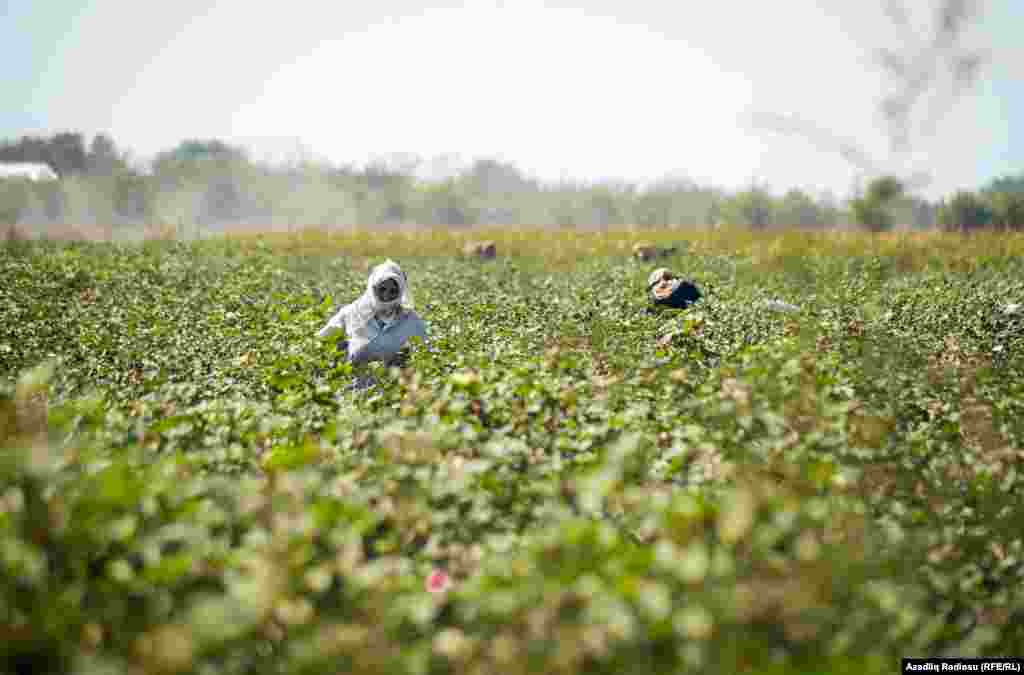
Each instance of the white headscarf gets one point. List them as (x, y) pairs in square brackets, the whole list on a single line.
[(656, 276), (369, 306), (661, 283)]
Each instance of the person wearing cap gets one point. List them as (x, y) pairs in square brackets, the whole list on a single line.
[(380, 322), (666, 289)]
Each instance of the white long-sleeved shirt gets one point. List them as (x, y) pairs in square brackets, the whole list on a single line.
[(375, 341)]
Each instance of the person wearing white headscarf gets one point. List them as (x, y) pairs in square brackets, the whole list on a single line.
[(381, 320)]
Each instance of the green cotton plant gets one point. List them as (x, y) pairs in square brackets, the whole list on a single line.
[(561, 482)]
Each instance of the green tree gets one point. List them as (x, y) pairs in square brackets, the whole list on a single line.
[(193, 150), (491, 176), (799, 209), (1007, 209), (65, 152), (610, 204), (752, 207), (1005, 198), (873, 210), (870, 215), (966, 211), (201, 181), (884, 189), (1008, 184), (654, 207), (444, 203), (103, 158)]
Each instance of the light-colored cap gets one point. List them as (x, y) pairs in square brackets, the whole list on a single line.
[(656, 276)]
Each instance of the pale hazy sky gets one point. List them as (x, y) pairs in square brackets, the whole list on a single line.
[(589, 89)]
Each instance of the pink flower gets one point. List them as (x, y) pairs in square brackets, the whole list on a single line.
[(438, 581)]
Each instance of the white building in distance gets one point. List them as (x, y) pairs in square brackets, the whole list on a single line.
[(34, 171)]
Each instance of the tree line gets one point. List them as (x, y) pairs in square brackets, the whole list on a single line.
[(210, 183)]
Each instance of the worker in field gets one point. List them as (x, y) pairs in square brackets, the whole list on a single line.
[(381, 321), (666, 289)]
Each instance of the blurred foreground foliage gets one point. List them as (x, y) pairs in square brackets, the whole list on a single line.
[(186, 486)]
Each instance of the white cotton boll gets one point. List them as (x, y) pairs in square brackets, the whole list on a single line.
[(780, 306)]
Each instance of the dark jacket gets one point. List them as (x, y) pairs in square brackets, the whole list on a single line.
[(684, 295)]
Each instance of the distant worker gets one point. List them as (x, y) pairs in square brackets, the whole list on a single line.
[(380, 322), (668, 290), (645, 251)]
